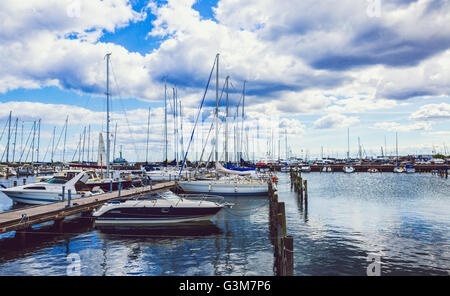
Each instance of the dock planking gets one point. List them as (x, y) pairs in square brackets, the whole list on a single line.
[(25, 218)]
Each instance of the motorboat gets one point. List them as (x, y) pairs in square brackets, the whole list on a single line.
[(6, 171), (162, 175), (285, 169), (95, 179), (158, 209), (409, 168), (399, 169), (348, 169), (305, 168), (48, 191)]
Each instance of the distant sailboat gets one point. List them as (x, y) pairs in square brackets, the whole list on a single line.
[(398, 168), (348, 168)]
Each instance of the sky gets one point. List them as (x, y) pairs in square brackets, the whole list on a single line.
[(314, 71)]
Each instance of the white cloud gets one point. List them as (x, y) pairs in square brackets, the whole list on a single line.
[(432, 112), (395, 126), (335, 121)]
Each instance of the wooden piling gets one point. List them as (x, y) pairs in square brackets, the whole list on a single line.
[(288, 256), (283, 260)]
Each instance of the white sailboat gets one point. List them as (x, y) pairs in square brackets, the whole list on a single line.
[(234, 182), (348, 168), (398, 168)]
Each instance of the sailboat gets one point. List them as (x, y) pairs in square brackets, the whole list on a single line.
[(232, 182), (398, 168), (348, 168)]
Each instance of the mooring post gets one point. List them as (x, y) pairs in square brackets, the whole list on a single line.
[(24, 181), (15, 183), (63, 192), (120, 187), (306, 192), (69, 197), (289, 255), (151, 184), (110, 186)]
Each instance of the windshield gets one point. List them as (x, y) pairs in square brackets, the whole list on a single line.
[(56, 181)]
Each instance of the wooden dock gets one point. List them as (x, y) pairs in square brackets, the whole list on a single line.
[(22, 219)]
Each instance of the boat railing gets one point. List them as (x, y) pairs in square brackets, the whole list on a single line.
[(203, 197)]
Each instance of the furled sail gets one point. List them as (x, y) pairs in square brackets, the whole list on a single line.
[(222, 170)]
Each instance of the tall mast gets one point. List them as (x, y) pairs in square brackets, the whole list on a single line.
[(285, 139), (165, 122), (396, 145), (242, 125), (359, 147), (32, 151), (348, 143), (65, 138), (15, 138), (216, 148), (9, 136), (114, 145), (226, 124), (181, 126), (107, 114), (38, 140), (148, 131), (53, 144), (89, 142), (175, 148)]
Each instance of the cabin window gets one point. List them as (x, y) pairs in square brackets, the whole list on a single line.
[(35, 188)]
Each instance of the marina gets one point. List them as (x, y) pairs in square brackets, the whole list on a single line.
[(224, 138)]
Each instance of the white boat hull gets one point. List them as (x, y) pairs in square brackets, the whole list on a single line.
[(37, 198), (349, 170), (223, 188)]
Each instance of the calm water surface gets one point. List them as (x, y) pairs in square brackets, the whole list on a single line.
[(403, 219)]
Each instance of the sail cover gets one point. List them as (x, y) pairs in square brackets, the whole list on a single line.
[(221, 169)]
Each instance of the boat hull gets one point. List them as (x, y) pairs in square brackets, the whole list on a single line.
[(224, 188), (36, 198), (148, 215)]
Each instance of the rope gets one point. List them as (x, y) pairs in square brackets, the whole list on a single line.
[(198, 115)]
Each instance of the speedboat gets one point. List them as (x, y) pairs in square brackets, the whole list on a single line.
[(46, 191), (158, 209), (348, 169), (95, 179)]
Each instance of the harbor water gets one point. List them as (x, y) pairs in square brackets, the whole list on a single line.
[(402, 219)]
